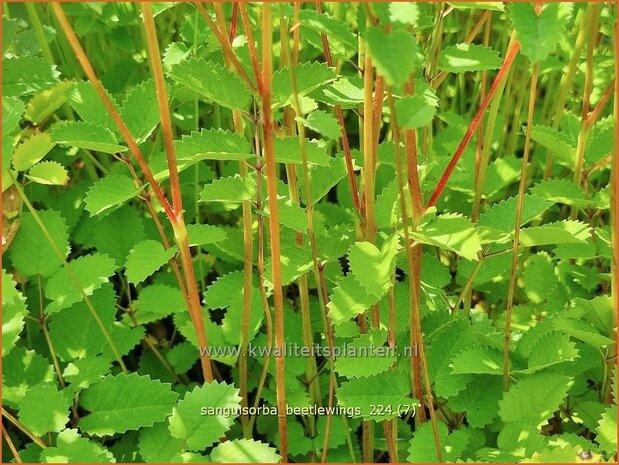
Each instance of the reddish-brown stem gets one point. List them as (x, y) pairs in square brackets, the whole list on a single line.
[(251, 45), (234, 20), (595, 114), (271, 170), (122, 127), (352, 181), (178, 221), (440, 186)]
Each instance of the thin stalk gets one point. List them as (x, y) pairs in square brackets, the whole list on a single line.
[(72, 276), (107, 102), (416, 335), (9, 441), (33, 14), (271, 169), (177, 220), (521, 189), (38, 441), (502, 73)]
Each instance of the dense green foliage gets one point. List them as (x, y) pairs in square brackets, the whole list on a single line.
[(499, 296)]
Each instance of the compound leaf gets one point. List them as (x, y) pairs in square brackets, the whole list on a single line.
[(89, 136), (468, 57), (108, 193), (212, 144), (32, 150), (145, 258), (452, 232), (52, 418), (231, 189)]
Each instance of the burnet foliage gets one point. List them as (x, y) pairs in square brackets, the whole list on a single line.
[(87, 278)]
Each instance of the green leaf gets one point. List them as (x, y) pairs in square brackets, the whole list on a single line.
[(32, 150), (91, 271), (478, 360), (342, 40), (39, 420), (550, 349), (561, 232), (390, 390), (349, 298), (21, 370), (45, 103), (561, 191), (145, 258), (76, 333), (464, 57), (310, 76), (423, 450), (212, 144), (526, 402), (118, 232), (140, 110), (231, 189), (287, 150), (109, 192), (493, 6), (323, 178), (369, 358), (89, 136), (244, 451), (291, 215), (452, 232), (404, 12), (323, 123), (125, 402), (26, 75), (539, 34), (31, 252), (502, 216), (86, 102), (607, 430), (196, 419), (50, 173), (213, 81), (157, 445), (394, 54), (556, 142), (73, 448), (202, 234), (480, 400), (84, 372), (13, 313), (374, 268), (415, 111)]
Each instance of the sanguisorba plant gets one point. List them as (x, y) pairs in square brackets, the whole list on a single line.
[(309, 232)]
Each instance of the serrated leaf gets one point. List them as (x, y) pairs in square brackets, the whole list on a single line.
[(13, 313), (394, 54), (118, 232), (493, 6), (213, 81), (452, 232), (291, 214), (601, 140), (561, 191), (231, 189), (478, 360), (404, 12), (140, 110), (244, 451), (374, 268), (193, 422), (310, 76), (39, 420), (526, 402), (84, 372), (21, 370), (157, 445), (287, 150), (342, 40), (86, 102), (202, 234), (323, 123), (369, 358), (108, 193), (416, 111), (550, 349), (212, 144), (464, 57), (607, 430), (502, 216), (322, 179), (539, 34), (50, 173), (31, 252), (390, 390), (422, 449), (480, 400), (145, 258), (125, 402), (26, 75), (556, 142), (157, 301), (45, 103), (76, 333), (91, 271), (349, 298), (561, 232), (32, 150), (89, 136), (73, 448)]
